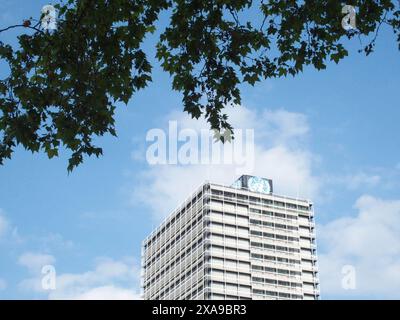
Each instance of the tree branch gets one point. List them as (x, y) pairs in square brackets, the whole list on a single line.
[(23, 26)]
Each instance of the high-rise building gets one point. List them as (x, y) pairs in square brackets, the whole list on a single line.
[(237, 242)]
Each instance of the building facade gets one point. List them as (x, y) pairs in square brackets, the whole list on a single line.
[(237, 242)]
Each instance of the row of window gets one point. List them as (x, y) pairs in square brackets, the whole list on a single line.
[(273, 236), (232, 276), (238, 217), (264, 246), (228, 227), (273, 225), (216, 296), (232, 250), (277, 294), (274, 247), (277, 282), (259, 200), (230, 286), (276, 270), (229, 263), (235, 240), (274, 214), (275, 259)]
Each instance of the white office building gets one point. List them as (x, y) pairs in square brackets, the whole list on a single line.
[(237, 242)]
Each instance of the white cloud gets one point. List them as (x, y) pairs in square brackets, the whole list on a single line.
[(102, 293), (279, 153), (4, 224), (3, 284), (110, 279), (8, 232), (52, 240), (360, 180), (370, 242), (34, 262), (284, 126)]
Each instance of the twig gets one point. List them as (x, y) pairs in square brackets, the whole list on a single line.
[(21, 25)]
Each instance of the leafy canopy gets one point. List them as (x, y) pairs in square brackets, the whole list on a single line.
[(63, 86)]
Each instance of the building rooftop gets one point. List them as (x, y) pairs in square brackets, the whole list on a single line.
[(248, 183)]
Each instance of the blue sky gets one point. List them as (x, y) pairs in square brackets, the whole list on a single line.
[(338, 146)]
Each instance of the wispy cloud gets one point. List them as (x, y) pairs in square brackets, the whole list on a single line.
[(4, 224), (370, 242), (35, 261), (3, 284), (280, 153), (8, 231), (109, 279), (357, 180)]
